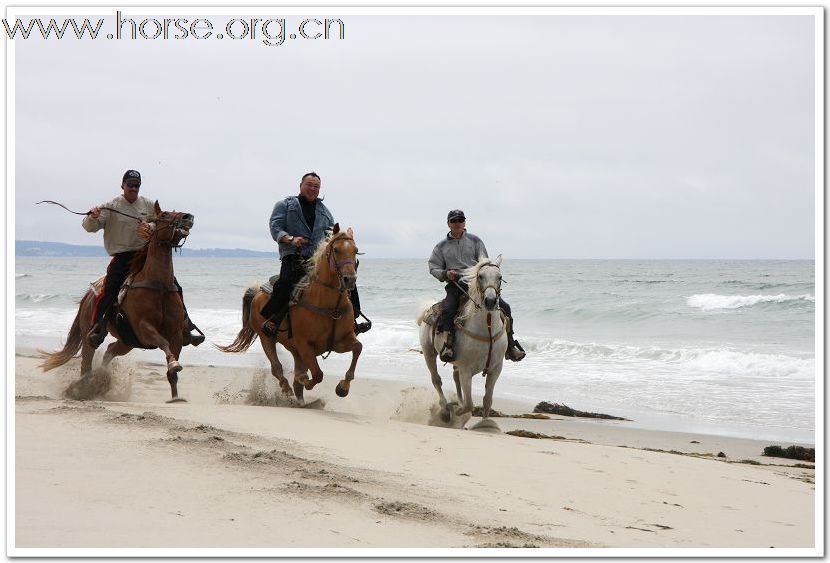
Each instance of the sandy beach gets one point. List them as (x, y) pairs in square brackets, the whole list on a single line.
[(231, 469)]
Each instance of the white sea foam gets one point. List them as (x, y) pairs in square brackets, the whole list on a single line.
[(712, 301)]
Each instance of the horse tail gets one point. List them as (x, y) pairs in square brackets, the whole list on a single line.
[(247, 335), (74, 341)]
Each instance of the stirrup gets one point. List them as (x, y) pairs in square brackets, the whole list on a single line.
[(515, 352), (360, 328)]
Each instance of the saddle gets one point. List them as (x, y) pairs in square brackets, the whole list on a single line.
[(98, 287), (431, 318)]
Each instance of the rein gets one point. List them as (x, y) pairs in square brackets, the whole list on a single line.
[(87, 212)]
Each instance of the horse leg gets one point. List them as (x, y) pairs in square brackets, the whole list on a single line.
[(270, 349), (457, 380), (114, 350), (300, 377), (467, 390), (429, 357), (342, 388), (87, 353), (310, 360), (148, 335), (490, 384)]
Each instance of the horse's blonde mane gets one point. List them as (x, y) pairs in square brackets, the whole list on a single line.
[(470, 276), (314, 261)]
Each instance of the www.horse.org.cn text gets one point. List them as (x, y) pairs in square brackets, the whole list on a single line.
[(272, 32)]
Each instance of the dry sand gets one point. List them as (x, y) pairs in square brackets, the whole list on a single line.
[(230, 469)]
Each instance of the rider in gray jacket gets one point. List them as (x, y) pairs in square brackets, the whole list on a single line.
[(457, 251)]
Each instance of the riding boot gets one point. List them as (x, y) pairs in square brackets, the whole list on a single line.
[(187, 336), (97, 333), (448, 352), (360, 328), (272, 324), (515, 352)]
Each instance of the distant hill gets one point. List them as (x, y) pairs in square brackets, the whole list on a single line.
[(41, 248)]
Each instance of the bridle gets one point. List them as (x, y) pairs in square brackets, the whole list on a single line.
[(175, 226), (481, 290)]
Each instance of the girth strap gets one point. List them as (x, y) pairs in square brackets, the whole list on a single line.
[(335, 314), (157, 286)]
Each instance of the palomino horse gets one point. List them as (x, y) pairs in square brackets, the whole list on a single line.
[(152, 304), (480, 343), (321, 321)]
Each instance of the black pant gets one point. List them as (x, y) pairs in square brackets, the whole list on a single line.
[(450, 306), (117, 271), (292, 270)]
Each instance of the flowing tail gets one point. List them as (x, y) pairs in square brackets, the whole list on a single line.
[(247, 335), (74, 341)]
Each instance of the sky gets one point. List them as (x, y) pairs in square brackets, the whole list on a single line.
[(560, 136)]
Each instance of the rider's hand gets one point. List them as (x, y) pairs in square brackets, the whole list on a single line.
[(298, 242), (452, 275), (144, 230), (95, 212)]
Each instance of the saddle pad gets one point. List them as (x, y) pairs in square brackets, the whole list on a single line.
[(268, 286)]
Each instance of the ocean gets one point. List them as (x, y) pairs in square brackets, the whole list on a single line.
[(713, 346)]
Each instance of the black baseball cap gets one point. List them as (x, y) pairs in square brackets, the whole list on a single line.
[(131, 175), (454, 214)]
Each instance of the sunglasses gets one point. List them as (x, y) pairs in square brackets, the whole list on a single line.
[(133, 186), (457, 220)]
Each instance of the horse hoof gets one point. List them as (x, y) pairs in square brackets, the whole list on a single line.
[(177, 400), (341, 390), (174, 367), (446, 416)]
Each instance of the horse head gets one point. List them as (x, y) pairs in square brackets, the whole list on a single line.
[(340, 255), (170, 228), (485, 278)]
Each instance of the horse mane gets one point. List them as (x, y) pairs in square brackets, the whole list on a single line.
[(314, 261), (470, 275)]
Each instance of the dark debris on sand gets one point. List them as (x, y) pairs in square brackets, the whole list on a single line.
[(792, 452), (564, 410)]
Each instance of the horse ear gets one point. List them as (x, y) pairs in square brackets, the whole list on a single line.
[(335, 229), (158, 209), (350, 232), (497, 261)]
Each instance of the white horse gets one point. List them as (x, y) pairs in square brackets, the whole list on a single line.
[(480, 344)]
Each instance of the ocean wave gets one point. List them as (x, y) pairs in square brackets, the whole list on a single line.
[(684, 360), (37, 297), (18, 276), (712, 301)]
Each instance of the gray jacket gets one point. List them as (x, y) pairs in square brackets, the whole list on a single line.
[(451, 254), (287, 220)]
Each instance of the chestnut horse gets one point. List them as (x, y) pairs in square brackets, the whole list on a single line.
[(321, 321), (152, 304)]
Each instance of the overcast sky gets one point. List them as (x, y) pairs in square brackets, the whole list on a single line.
[(559, 136)]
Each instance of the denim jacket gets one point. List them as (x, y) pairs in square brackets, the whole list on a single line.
[(287, 220)]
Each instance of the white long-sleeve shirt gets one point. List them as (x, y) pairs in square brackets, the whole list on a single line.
[(120, 232)]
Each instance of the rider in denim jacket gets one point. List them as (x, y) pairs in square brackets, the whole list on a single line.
[(298, 224)]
